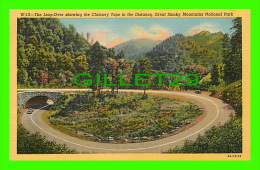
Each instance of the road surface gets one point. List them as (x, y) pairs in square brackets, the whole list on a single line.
[(217, 113)]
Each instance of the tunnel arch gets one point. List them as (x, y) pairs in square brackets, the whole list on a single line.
[(24, 97), (37, 101)]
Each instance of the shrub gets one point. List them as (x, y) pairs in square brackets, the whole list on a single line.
[(233, 96), (222, 139), (36, 144)]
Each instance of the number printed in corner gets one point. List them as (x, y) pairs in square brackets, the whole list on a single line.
[(234, 156)]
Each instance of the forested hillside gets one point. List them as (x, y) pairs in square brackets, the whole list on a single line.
[(177, 51), (226, 84), (48, 52), (135, 49), (50, 55)]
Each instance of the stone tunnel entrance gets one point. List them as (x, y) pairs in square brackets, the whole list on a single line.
[(30, 98), (37, 101)]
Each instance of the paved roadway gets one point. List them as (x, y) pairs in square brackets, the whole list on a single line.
[(217, 113)]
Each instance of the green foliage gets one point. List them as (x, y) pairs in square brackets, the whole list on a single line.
[(50, 55), (233, 96), (232, 53), (120, 55), (36, 144), (174, 53), (124, 116), (143, 66), (97, 59), (46, 46), (60, 103), (221, 139), (154, 80), (208, 40), (217, 73), (204, 82), (118, 66), (166, 55), (22, 75), (200, 71)]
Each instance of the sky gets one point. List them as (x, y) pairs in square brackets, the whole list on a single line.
[(111, 32)]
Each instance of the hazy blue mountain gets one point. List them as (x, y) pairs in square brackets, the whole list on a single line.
[(134, 49)]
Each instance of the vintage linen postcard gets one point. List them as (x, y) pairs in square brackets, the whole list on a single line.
[(130, 85)]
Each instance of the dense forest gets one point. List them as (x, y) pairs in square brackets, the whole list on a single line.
[(50, 55), (226, 84), (178, 51)]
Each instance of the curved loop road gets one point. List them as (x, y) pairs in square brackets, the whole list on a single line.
[(217, 113)]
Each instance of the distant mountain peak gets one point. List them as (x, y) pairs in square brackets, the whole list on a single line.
[(206, 38), (204, 33), (136, 48), (202, 48)]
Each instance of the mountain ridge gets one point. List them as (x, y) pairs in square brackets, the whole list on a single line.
[(203, 48), (136, 48)]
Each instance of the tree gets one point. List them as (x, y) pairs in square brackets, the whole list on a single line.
[(236, 45), (43, 77), (199, 70), (115, 68), (98, 62), (45, 44), (232, 53), (22, 75), (143, 66), (120, 55), (113, 71), (227, 57), (81, 64), (217, 73), (88, 37)]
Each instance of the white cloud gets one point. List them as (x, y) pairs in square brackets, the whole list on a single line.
[(154, 32), (206, 26)]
